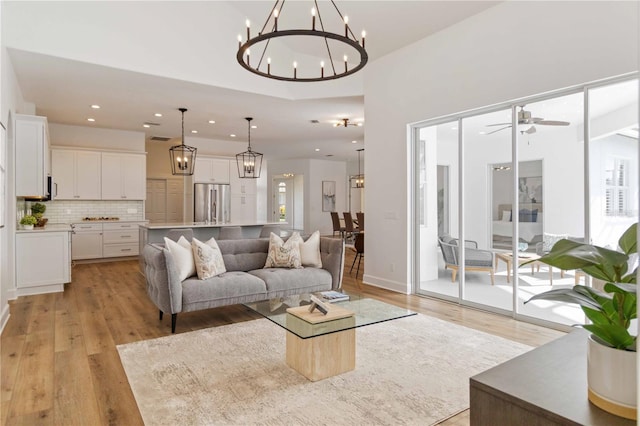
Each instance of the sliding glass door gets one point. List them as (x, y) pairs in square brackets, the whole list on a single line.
[(514, 179)]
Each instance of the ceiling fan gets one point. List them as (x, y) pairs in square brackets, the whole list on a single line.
[(344, 122), (525, 118)]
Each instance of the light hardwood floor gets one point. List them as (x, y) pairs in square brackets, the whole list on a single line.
[(60, 365)]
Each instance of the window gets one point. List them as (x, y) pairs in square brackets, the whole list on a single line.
[(617, 187)]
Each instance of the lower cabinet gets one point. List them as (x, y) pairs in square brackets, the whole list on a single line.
[(105, 240), (43, 261)]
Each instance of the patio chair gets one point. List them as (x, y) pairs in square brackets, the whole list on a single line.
[(475, 259)]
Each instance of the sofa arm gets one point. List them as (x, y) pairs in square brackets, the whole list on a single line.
[(332, 255), (163, 286)]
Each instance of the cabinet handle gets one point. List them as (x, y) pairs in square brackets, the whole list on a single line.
[(125, 226), (123, 196), (125, 236), (125, 249), (76, 196)]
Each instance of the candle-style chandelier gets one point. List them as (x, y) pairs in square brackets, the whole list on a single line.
[(249, 162), (264, 38), (183, 157)]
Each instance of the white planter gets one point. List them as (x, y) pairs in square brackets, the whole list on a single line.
[(611, 375), (27, 227)]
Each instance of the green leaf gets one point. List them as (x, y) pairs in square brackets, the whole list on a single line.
[(628, 242), (616, 336), (620, 288), (567, 295)]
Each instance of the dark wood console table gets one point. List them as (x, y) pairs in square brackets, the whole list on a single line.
[(546, 386)]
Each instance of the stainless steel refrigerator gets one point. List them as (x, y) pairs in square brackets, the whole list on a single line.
[(211, 203)]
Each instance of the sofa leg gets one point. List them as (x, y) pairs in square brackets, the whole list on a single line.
[(174, 318), (160, 314)]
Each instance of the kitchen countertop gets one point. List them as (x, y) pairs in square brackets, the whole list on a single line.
[(205, 225), (78, 222), (54, 227)]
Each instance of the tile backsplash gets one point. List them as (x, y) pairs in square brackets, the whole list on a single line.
[(75, 211)]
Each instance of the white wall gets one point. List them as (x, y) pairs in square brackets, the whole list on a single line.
[(96, 138), (12, 102), (512, 50), (313, 173)]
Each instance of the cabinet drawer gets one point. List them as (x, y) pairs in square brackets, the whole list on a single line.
[(87, 227), (118, 237), (119, 226), (116, 250)]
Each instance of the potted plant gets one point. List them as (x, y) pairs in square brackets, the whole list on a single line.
[(611, 361), (28, 221), (38, 209)]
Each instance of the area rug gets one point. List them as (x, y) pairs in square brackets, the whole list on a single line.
[(410, 371)]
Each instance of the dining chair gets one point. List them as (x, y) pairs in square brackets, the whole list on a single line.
[(360, 219), (359, 247), (335, 219), (349, 230)]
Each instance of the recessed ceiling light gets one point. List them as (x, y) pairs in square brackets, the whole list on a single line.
[(212, 121), (194, 131), (95, 106), (146, 125), (254, 127), (354, 141), (232, 135), (91, 119), (157, 114), (317, 149)]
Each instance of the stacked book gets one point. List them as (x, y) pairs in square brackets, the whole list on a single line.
[(333, 296)]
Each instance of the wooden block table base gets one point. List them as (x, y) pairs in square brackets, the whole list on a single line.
[(317, 358)]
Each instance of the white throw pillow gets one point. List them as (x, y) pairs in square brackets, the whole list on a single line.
[(506, 215), (310, 251), (182, 257), (207, 258), (550, 240), (284, 255)]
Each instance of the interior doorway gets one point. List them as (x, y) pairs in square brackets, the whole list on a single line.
[(283, 196)]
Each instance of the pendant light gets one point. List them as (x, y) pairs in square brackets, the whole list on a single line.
[(183, 157), (249, 162), (358, 180)]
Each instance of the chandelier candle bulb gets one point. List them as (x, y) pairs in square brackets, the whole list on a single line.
[(239, 41), (345, 63), (275, 18), (313, 18), (295, 69), (268, 65), (248, 54), (346, 26), (321, 69), (364, 33), (248, 29)]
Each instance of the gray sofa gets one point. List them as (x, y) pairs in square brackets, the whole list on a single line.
[(245, 280)]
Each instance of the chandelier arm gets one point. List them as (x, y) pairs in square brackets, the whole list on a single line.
[(270, 15), (263, 53), (342, 17)]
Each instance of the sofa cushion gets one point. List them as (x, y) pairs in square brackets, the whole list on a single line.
[(283, 282), (224, 286), (207, 258), (550, 240), (283, 254), (182, 257), (310, 251)]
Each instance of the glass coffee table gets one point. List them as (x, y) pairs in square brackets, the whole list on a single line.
[(328, 348)]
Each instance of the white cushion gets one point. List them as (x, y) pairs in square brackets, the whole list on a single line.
[(284, 255), (182, 257), (550, 240), (310, 251), (506, 215), (207, 258)]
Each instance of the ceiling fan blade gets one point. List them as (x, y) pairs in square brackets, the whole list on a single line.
[(490, 133), (498, 124), (553, 123), (530, 130)]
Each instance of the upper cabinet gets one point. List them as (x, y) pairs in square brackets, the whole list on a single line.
[(242, 186), (123, 176), (32, 155), (76, 174), (211, 170)]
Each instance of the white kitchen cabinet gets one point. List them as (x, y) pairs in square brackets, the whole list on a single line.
[(43, 261), (76, 174), (32, 155), (123, 176), (86, 241), (243, 208), (120, 239), (211, 170), (242, 186)]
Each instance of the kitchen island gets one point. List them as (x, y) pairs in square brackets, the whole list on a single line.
[(155, 232)]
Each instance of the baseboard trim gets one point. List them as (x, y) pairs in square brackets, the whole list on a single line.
[(396, 286), (4, 317), (11, 294), (42, 289)]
